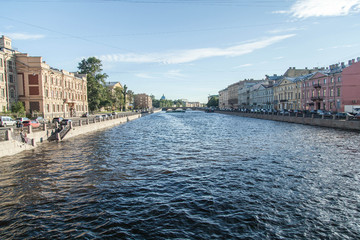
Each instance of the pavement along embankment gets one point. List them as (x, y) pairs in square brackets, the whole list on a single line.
[(14, 143)]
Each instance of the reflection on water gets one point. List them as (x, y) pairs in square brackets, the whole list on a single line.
[(186, 175)]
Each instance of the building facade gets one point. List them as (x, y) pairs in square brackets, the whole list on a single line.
[(43, 90), (8, 86), (50, 92), (224, 99), (142, 101)]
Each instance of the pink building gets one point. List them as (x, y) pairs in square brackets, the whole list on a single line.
[(332, 88), (351, 84)]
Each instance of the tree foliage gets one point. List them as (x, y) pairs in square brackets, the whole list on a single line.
[(18, 108), (213, 102), (98, 95)]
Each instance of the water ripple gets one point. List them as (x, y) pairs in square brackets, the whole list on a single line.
[(186, 176)]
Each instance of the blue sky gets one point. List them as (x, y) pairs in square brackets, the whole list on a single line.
[(185, 48)]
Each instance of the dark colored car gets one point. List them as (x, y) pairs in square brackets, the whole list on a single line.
[(57, 119), (85, 115), (65, 122), (341, 115)]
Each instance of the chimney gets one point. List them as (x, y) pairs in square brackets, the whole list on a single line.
[(353, 61), (358, 59), (349, 62), (342, 64)]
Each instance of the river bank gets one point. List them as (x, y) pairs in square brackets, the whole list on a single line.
[(14, 143), (302, 119)]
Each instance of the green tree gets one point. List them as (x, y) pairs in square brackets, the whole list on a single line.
[(118, 98), (130, 95), (18, 108), (97, 93), (213, 102), (124, 92)]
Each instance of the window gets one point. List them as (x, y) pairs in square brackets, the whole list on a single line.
[(324, 92), (11, 78), (332, 80), (1, 77), (1, 62), (338, 92), (331, 92), (46, 93), (339, 79), (12, 93), (10, 65), (48, 107), (324, 80)]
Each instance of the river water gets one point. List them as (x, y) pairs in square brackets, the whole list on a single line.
[(190, 175)]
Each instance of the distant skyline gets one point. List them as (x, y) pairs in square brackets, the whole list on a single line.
[(185, 49)]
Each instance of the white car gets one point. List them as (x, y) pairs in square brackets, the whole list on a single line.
[(6, 121)]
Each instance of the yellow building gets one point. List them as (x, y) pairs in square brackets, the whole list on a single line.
[(48, 91), (287, 94)]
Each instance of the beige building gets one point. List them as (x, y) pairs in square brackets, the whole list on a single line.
[(8, 87), (193, 104), (233, 95), (224, 99), (287, 94), (142, 101), (48, 91), (43, 90)]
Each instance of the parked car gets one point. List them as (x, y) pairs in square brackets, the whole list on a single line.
[(341, 115), (65, 122), (99, 117), (114, 113), (357, 116), (105, 116), (6, 121), (323, 112), (19, 121), (40, 120), (85, 115), (57, 119), (33, 123), (284, 112)]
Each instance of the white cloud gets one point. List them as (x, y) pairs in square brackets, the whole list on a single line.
[(171, 74), (323, 8), (277, 31), (278, 58), (23, 36), (244, 65), (144, 75), (185, 56)]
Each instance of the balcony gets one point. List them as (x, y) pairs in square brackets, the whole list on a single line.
[(315, 99), (283, 100), (317, 86)]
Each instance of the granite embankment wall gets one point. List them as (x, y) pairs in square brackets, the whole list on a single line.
[(14, 145), (331, 123)]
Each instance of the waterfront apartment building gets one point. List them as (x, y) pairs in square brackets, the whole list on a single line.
[(333, 88), (244, 93), (224, 99), (233, 95), (8, 87), (50, 92), (43, 90), (142, 101)]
